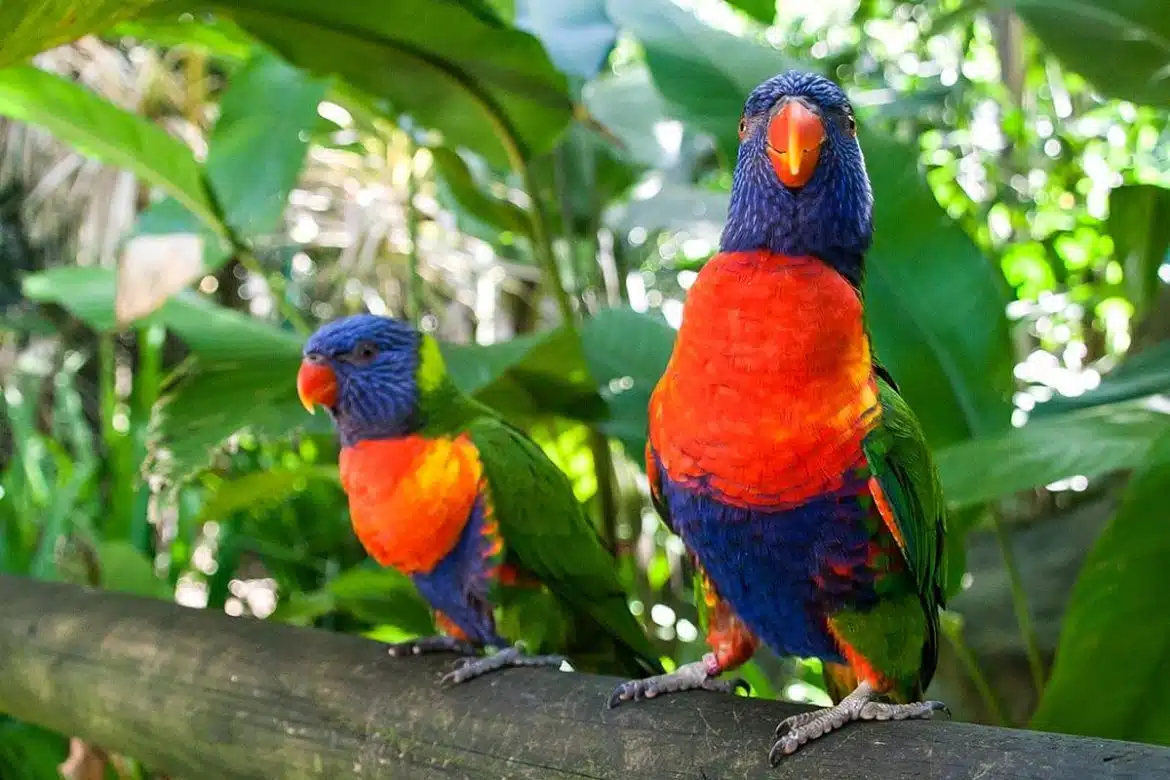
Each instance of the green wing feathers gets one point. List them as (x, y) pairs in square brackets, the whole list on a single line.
[(901, 461), (546, 532)]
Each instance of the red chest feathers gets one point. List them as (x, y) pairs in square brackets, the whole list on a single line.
[(410, 498), (769, 391)]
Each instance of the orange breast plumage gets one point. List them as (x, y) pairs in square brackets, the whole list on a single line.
[(410, 498), (770, 389)]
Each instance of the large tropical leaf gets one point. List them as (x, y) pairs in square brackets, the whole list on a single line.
[(577, 33), (935, 304), (705, 74), (258, 144), (627, 352), (32, 26), (1140, 375), (101, 130), (1122, 46), (1088, 442), (451, 69), (1139, 223), (1110, 670)]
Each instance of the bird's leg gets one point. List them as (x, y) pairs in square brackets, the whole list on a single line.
[(452, 640), (732, 644), (859, 705), (498, 658)]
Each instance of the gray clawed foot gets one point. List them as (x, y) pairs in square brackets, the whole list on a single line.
[(694, 676), (431, 644), (807, 726), (470, 668)]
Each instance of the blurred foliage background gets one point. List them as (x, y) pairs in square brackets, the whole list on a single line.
[(188, 188)]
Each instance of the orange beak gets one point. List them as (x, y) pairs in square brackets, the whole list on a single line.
[(795, 136), (316, 384)]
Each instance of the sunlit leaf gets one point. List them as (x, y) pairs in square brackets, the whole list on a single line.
[(703, 73), (1109, 676), (577, 33), (460, 186), (258, 144), (1143, 374), (763, 11), (469, 82), (627, 352), (261, 489), (32, 26), (1139, 223), (105, 132), (630, 106), (1089, 442), (1122, 46), (533, 375)]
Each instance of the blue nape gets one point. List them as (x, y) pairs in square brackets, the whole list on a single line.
[(458, 585), (783, 571)]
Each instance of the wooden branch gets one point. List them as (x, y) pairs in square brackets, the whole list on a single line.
[(203, 695)]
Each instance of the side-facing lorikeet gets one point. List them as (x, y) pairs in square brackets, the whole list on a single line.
[(445, 491), (796, 475)]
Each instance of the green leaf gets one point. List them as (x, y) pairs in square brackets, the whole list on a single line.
[(32, 26), (101, 130), (577, 33), (1139, 222), (935, 305), (382, 596), (630, 106), (126, 570), (1143, 374), (1090, 442), (703, 73), (530, 376), (460, 187), (219, 37), (447, 67), (700, 213), (1109, 676), (258, 145), (261, 489), (1121, 46), (763, 11), (627, 353)]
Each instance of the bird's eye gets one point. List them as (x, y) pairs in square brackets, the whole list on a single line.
[(742, 127), (363, 352)]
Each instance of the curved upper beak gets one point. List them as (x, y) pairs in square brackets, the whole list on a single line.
[(316, 384), (795, 135)]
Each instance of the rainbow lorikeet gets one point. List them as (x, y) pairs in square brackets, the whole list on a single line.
[(488, 528), (781, 453)]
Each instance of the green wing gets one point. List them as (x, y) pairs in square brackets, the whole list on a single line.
[(545, 530), (901, 461)]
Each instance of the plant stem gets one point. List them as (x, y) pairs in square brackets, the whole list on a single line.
[(1020, 605), (953, 631)]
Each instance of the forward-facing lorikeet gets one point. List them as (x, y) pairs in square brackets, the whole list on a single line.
[(445, 491), (781, 453)]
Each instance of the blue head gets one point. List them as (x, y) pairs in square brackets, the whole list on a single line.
[(800, 186), (364, 369)]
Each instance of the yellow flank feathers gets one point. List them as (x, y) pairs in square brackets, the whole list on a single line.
[(431, 368)]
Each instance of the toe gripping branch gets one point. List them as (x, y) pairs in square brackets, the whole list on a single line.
[(804, 727), (698, 675)]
